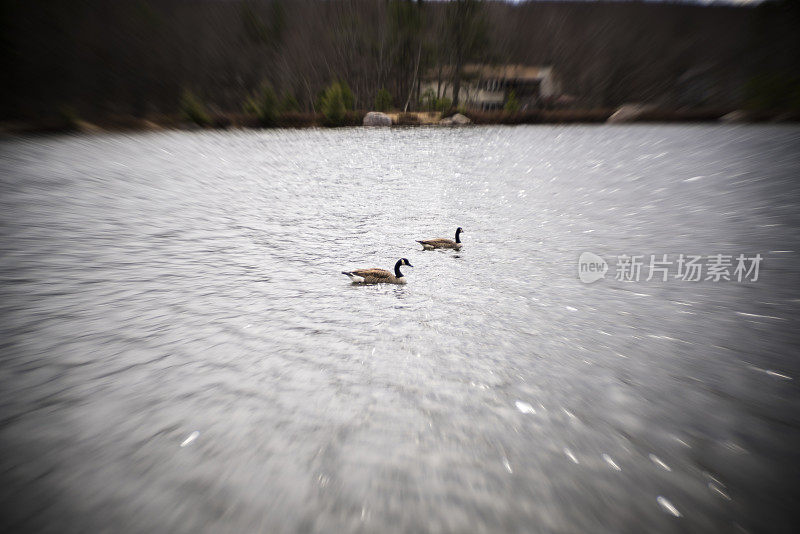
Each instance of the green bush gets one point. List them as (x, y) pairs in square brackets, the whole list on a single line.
[(193, 109), (289, 103), (773, 91), (332, 104), (347, 96), (264, 105), (512, 104), (69, 117), (383, 101), (427, 101)]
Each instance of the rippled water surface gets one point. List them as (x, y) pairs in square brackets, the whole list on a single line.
[(180, 352)]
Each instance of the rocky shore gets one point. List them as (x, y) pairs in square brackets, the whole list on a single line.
[(629, 113)]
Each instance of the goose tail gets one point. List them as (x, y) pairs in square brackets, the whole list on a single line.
[(356, 279)]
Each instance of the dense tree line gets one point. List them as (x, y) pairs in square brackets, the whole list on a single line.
[(139, 57)]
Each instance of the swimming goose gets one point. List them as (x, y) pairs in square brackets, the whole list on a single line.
[(379, 276), (431, 244)]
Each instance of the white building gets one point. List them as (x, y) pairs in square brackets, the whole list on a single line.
[(488, 86)]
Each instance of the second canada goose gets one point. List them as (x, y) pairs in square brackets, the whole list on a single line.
[(430, 244), (379, 276)]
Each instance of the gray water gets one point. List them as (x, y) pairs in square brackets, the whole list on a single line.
[(180, 352)]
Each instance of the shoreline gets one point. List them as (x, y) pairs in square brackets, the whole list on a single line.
[(238, 121)]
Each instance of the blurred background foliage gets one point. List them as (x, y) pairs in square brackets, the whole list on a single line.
[(263, 105), (137, 58)]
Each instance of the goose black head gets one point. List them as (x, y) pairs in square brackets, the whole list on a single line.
[(458, 234), (401, 261)]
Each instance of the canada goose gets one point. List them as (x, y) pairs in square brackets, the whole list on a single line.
[(431, 244), (379, 276)]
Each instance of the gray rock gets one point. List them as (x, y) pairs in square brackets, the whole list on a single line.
[(735, 116), (456, 120), (629, 113), (376, 118)]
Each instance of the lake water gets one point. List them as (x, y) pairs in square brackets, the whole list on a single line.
[(181, 353)]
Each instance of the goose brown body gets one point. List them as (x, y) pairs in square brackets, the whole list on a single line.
[(430, 244), (379, 276)]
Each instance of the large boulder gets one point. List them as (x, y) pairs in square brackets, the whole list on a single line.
[(629, 113), (456, 120), (735, 116), (376, 118), (87, 127)]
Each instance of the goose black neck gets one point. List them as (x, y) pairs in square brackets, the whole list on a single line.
[(397, 272), (458, 235)]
